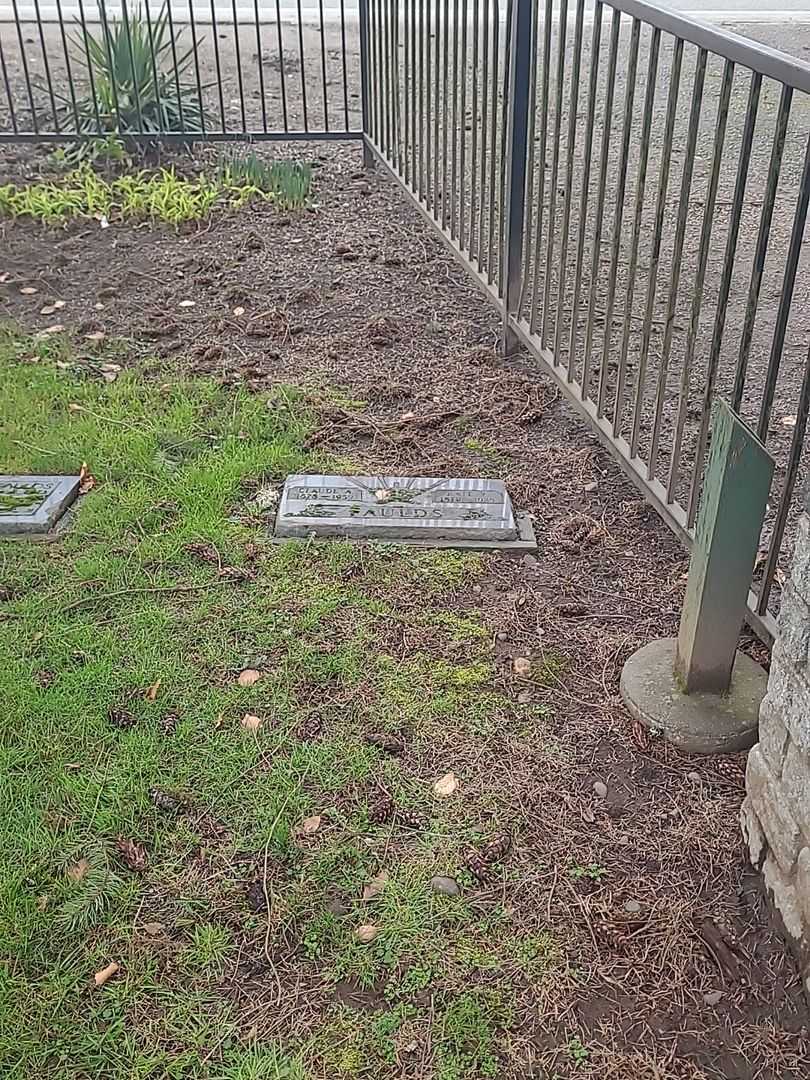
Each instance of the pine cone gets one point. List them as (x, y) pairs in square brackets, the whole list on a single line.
[(731, 769), (169, 723), (641, 736), (382, 810), (120, 718), (204, 552), (409, 819), (477, 865), (612, 935), (496, 849), (310, 728), (385, 741), (132, 854), (165, 801)]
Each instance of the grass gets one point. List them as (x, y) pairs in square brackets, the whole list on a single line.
[(160, 196), (120, 647)]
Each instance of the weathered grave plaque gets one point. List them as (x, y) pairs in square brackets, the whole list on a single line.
[(32, 505), (432, 510)]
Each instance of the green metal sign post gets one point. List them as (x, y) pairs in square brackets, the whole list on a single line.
[(735, 496)]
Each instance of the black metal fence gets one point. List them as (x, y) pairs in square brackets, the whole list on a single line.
[(628, 186), (180, 69)]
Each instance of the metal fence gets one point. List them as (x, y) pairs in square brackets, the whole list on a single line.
[(179, 69), (628, 186)]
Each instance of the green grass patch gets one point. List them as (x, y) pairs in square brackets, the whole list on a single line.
[(142, 822)]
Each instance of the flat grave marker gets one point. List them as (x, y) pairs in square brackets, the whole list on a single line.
[(30, 506)]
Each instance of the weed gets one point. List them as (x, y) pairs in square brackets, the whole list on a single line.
[(466, 1043), (590, 872), (246, 174), (207, 949), (138, 84), (578, 1053)]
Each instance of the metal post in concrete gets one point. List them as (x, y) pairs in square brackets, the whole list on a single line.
[(517, 134), (698, 690), (736, 484)]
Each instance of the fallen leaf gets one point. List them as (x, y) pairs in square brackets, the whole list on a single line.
[(366, 933), (57, 328), (74, 407), (251, 722), (86, 479), (445, 786), (375, 886), (522, 667), (152, 691), (104, 976), (220, 720), (28, 290), (187, 303), (49, 309), (407, 416), (97, 336), (109, 376), (249, 676), (788, 421), (42, 902), (4, 277), (78, 871), (310, 825), (132, 854), (98, 306), (239, 311), (109, 367), (153, 927), (59, 304)]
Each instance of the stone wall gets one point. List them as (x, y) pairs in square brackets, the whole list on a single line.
[(776, 812)]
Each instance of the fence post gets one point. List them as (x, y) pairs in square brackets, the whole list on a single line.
[(516, 136), (365, 84)]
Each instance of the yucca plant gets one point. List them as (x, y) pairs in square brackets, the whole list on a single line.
[(139, 80)]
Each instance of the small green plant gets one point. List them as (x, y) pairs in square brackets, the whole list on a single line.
[(590, 872), (578, 1053), (161, 196), (138, 80), (208, 948), (288, 182), (107, 150)]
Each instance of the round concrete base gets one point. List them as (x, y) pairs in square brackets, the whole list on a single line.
[(699, 723)]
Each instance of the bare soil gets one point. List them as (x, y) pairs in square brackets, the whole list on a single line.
[(357, 296)]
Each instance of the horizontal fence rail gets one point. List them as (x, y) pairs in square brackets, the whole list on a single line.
[(655, 261), (179, 70)]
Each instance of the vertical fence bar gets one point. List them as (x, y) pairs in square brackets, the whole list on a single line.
[(492, 253), (414, 66), (573, 104), (218, 63), (454, 150), (763, 236), (794, 459), (437, 81), (463, 133), (700, 274), (68, 65), (90, 76), (259, 63), (302, 66), (406, 76), (738, 200), (397, 82), (197, 74), (593, 79), (484, 130), (655, 251), (105, 29), (541, 184), (677, 254), (474, 127), (26, 72), (135, 89), (46, 65), (501, 229), (601, 192), (530, 161), (323, 66), (445, 110), (555, 172), (641, 183), (515, 138), (366, 119), (618, 217), (424, 76), (785, 297), (280, 45), (238, 52)]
